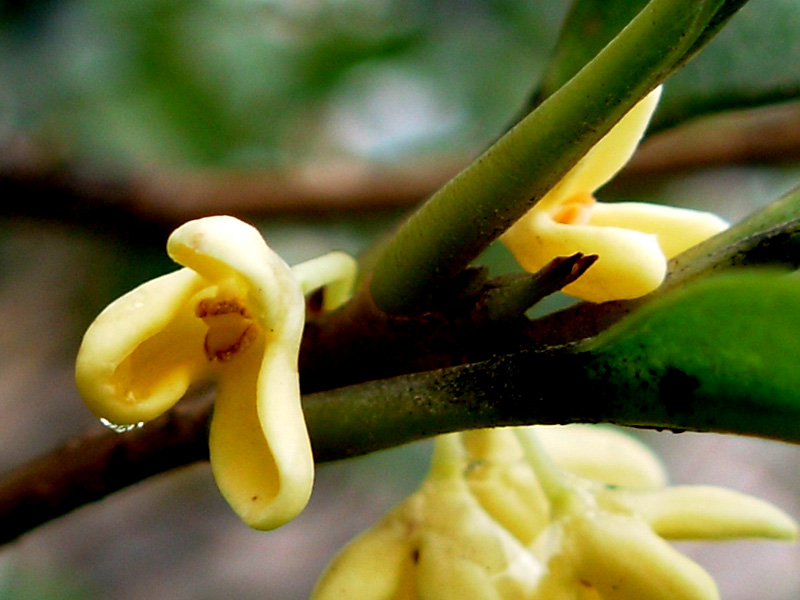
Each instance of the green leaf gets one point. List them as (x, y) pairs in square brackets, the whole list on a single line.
[(591, 24), (720, 355), (755, 61)]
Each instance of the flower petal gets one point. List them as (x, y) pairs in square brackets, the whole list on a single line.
[(606, 158), (602, 454), (622, 559), (266, 478), (143, 351), (677, 229), (222, 248), (450, 570), (377, 565), (706, 512), (334, 272), (260, 451), (630, 264), (503, 484), (464, 553)]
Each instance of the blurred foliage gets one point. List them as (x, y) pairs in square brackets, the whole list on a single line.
[(28, 584), (241, 83), (274, 82), (245, 82), (741, 68)]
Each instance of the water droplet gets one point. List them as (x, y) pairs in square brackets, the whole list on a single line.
[(121, 428)]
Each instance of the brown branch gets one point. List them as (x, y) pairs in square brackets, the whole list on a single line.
[(350, 346), (165, 198), (476, 320), (160, 199), (359, 343), (89, 468)]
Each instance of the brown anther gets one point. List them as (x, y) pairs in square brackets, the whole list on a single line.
[(225, 353), (209, 307), (230, 327)]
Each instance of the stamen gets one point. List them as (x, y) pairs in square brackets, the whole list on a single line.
[(210, 307), (577, 210), (230, 328)]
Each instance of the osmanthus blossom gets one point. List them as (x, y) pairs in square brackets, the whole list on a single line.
[(234, 314), (501, 516), (633, 240), (438, 544)]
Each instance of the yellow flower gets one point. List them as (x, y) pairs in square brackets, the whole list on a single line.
[(235, 315), (607, 542), (632, 240), (498, 517), (439, 544), (510, 490)]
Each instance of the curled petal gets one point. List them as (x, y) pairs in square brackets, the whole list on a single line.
[(630, 263), (377, 565), (143, 351), (259, 448), (334, 272), (260, 451), (632, 241), (223, 248), (620, 558), (602, 454), (608, 156), (505, 486), (706, 512), (677, 229)]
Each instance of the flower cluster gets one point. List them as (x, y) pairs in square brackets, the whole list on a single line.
[(503, 514), (633, 240), (234, 314), (527, 513)]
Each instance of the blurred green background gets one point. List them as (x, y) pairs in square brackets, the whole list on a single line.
[(118, 119)]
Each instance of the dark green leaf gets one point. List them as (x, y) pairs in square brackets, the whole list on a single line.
[(720, 355)]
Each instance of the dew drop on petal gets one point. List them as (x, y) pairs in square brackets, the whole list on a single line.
[(121, 428)]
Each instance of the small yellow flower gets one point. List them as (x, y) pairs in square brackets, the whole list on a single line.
[(632, 240), (602, 453), (439, 544), (235, 315), (609, 541), (511, 491), (498, 517)]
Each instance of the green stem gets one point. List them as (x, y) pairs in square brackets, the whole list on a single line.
[(479, 204), (531, 388)]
